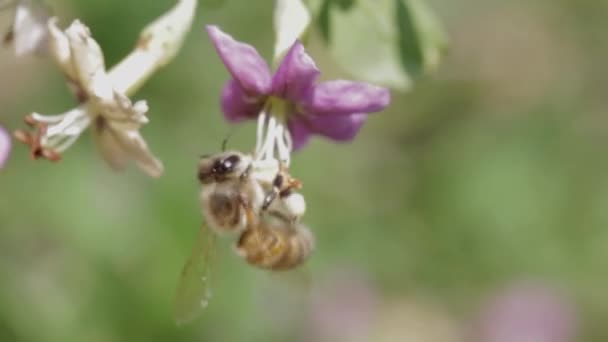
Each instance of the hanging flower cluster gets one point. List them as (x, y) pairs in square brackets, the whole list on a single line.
[(102, 95)]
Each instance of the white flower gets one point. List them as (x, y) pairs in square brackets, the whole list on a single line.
[(28, 33), (102, 95)]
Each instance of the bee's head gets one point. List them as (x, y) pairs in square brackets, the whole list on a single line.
[(221, 167)]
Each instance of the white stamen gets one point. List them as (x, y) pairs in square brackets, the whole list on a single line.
[(268, 146), (282, 146), (69, 141), (67, 121), (288, 143), (272, 137), (260, 131), (64, 129), (49, 119)]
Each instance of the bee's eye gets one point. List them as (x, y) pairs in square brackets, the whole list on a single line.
[(230, 162), (217, 167)]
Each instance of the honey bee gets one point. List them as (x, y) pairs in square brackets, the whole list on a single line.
[(231, 177), (274, 242), (237, 192)]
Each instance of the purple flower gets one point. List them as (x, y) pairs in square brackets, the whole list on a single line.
[(5, 146), (334, 109)]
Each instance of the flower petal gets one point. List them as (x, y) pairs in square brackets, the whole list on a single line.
[(296, 74), (135, 145), (340, 128), (59, 47), (337, 128), (237, 105), (109, 147), (242, 61), (300, 132), (117, 146), (346, 97), (5, 146), (88, 61), (122, 111)]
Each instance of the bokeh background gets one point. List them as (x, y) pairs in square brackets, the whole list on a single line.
[(474, 208)]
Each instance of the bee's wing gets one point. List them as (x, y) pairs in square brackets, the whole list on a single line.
[(194, 286)]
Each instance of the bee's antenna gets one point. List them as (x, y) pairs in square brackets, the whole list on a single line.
[(225, 141)]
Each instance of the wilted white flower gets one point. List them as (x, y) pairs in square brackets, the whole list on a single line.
[(29, 33), (102, 95)]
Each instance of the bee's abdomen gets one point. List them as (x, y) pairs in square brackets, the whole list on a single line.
[(300, 244), (277, 248)]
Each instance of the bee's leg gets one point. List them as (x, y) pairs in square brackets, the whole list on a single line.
[(245, 175), (277, 183), (252, 218), (249, 213)]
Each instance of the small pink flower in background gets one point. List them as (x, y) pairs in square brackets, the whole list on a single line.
[(527, 312), (334, 109), (343, 308), (5, 146)]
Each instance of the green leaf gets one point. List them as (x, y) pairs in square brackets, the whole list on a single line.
[(420, 37), (387, 42), (324, 19), (345, 4)]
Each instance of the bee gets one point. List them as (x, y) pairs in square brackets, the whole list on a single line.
[(237, 191), (274, 242), (231, 177)]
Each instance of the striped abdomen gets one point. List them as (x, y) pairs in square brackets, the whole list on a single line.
[(276, 247)]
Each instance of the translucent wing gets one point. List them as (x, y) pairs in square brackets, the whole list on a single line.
[(194, 290)]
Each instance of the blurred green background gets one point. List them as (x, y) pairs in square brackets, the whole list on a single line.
[(492, 171)]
